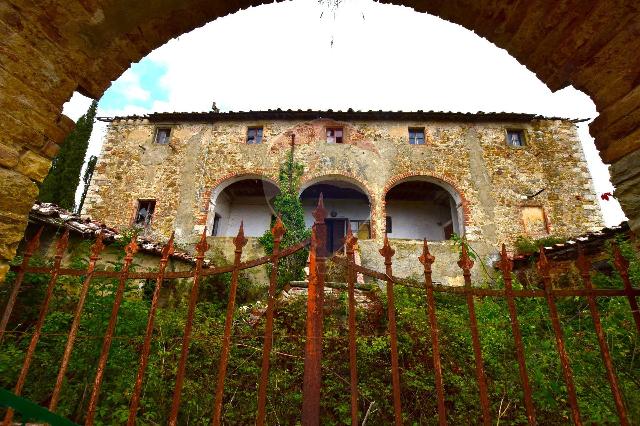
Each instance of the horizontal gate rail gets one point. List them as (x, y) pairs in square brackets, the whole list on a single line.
[(312, 381)]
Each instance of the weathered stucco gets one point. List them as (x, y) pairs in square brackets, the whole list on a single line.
[(493, 181)]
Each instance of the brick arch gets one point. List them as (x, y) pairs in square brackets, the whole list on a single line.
[(311, 179), (226, 180), (78, 45), (439, 179)]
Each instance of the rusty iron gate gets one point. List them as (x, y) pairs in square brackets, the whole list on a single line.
[(310, 413)]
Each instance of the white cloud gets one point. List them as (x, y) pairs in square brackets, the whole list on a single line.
[(382, 57)]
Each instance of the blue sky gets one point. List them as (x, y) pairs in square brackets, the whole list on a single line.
[(140, 87), (362, 55)]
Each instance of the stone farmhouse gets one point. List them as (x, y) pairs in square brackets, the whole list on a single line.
[(488, 176)]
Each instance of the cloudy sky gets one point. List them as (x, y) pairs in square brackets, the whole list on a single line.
[(362, 55)]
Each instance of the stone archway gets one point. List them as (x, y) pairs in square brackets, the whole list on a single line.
[(49, 52)]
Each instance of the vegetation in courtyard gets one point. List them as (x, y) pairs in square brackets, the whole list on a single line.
[(60, 185), (287, 205), (528, 245), (285, 388)]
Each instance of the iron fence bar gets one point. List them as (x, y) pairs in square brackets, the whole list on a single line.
[(315, 299), (239, 242), (201, 248), (545, 268), (584, 266), (277, 231), (130, 250), (32, 246), (96, 249), (506, 266), (427, 260), (622, 265), (350, 242), (60, 248), (465, 263), (387, 252), (146, 346)]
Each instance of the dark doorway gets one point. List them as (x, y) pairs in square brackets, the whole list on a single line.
[(336, 231)]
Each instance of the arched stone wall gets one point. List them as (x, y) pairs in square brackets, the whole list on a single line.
[(48, 52)]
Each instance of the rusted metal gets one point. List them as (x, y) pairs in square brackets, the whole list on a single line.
[(60, 249), (239, 242), (277, 231), (506, 266), (32, 246), (545, 269), (315, 299), (130, 250), (584, 266), (96, 249), (387, 252), (622, 265), (465, 263), (427, 260), (350, 243), (201, 248), (146, 346)]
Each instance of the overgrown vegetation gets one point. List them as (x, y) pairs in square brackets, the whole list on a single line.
[(60, 185), (287, 205), (527, 245), (285, 388)]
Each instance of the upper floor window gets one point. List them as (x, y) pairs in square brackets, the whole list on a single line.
[(144, 213), (254, 135), (162, 135), (515, 138), (335, 135), (416, 136)]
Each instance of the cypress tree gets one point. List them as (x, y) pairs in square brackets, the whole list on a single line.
[(60, 185)]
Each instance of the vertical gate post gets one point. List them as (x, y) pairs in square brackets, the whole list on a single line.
[(387, 252), (277, 231), (584, 266), (167, 251), (315, 300), (622, 265), (60, 249), (465, 263), (201, 248), (506, 266), (96, 249), (32, 246), (545, 270), (350, 242), (131, 249), (427, 260), (239, 242)]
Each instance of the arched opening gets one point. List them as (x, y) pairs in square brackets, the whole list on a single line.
[(422, 208), (347, 205), (247, 200)]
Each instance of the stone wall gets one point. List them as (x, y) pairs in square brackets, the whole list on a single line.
[(492, 180)]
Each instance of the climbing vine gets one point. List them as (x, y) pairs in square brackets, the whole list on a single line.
[(288, 207)]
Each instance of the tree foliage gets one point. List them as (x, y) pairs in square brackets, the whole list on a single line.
[(287, 205), (60, 185)]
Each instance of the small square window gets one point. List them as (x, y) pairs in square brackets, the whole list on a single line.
[(515, 138), (162, 135), (144, 214), (388, 225), (335, 135), (254, 135), (416, 136)]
